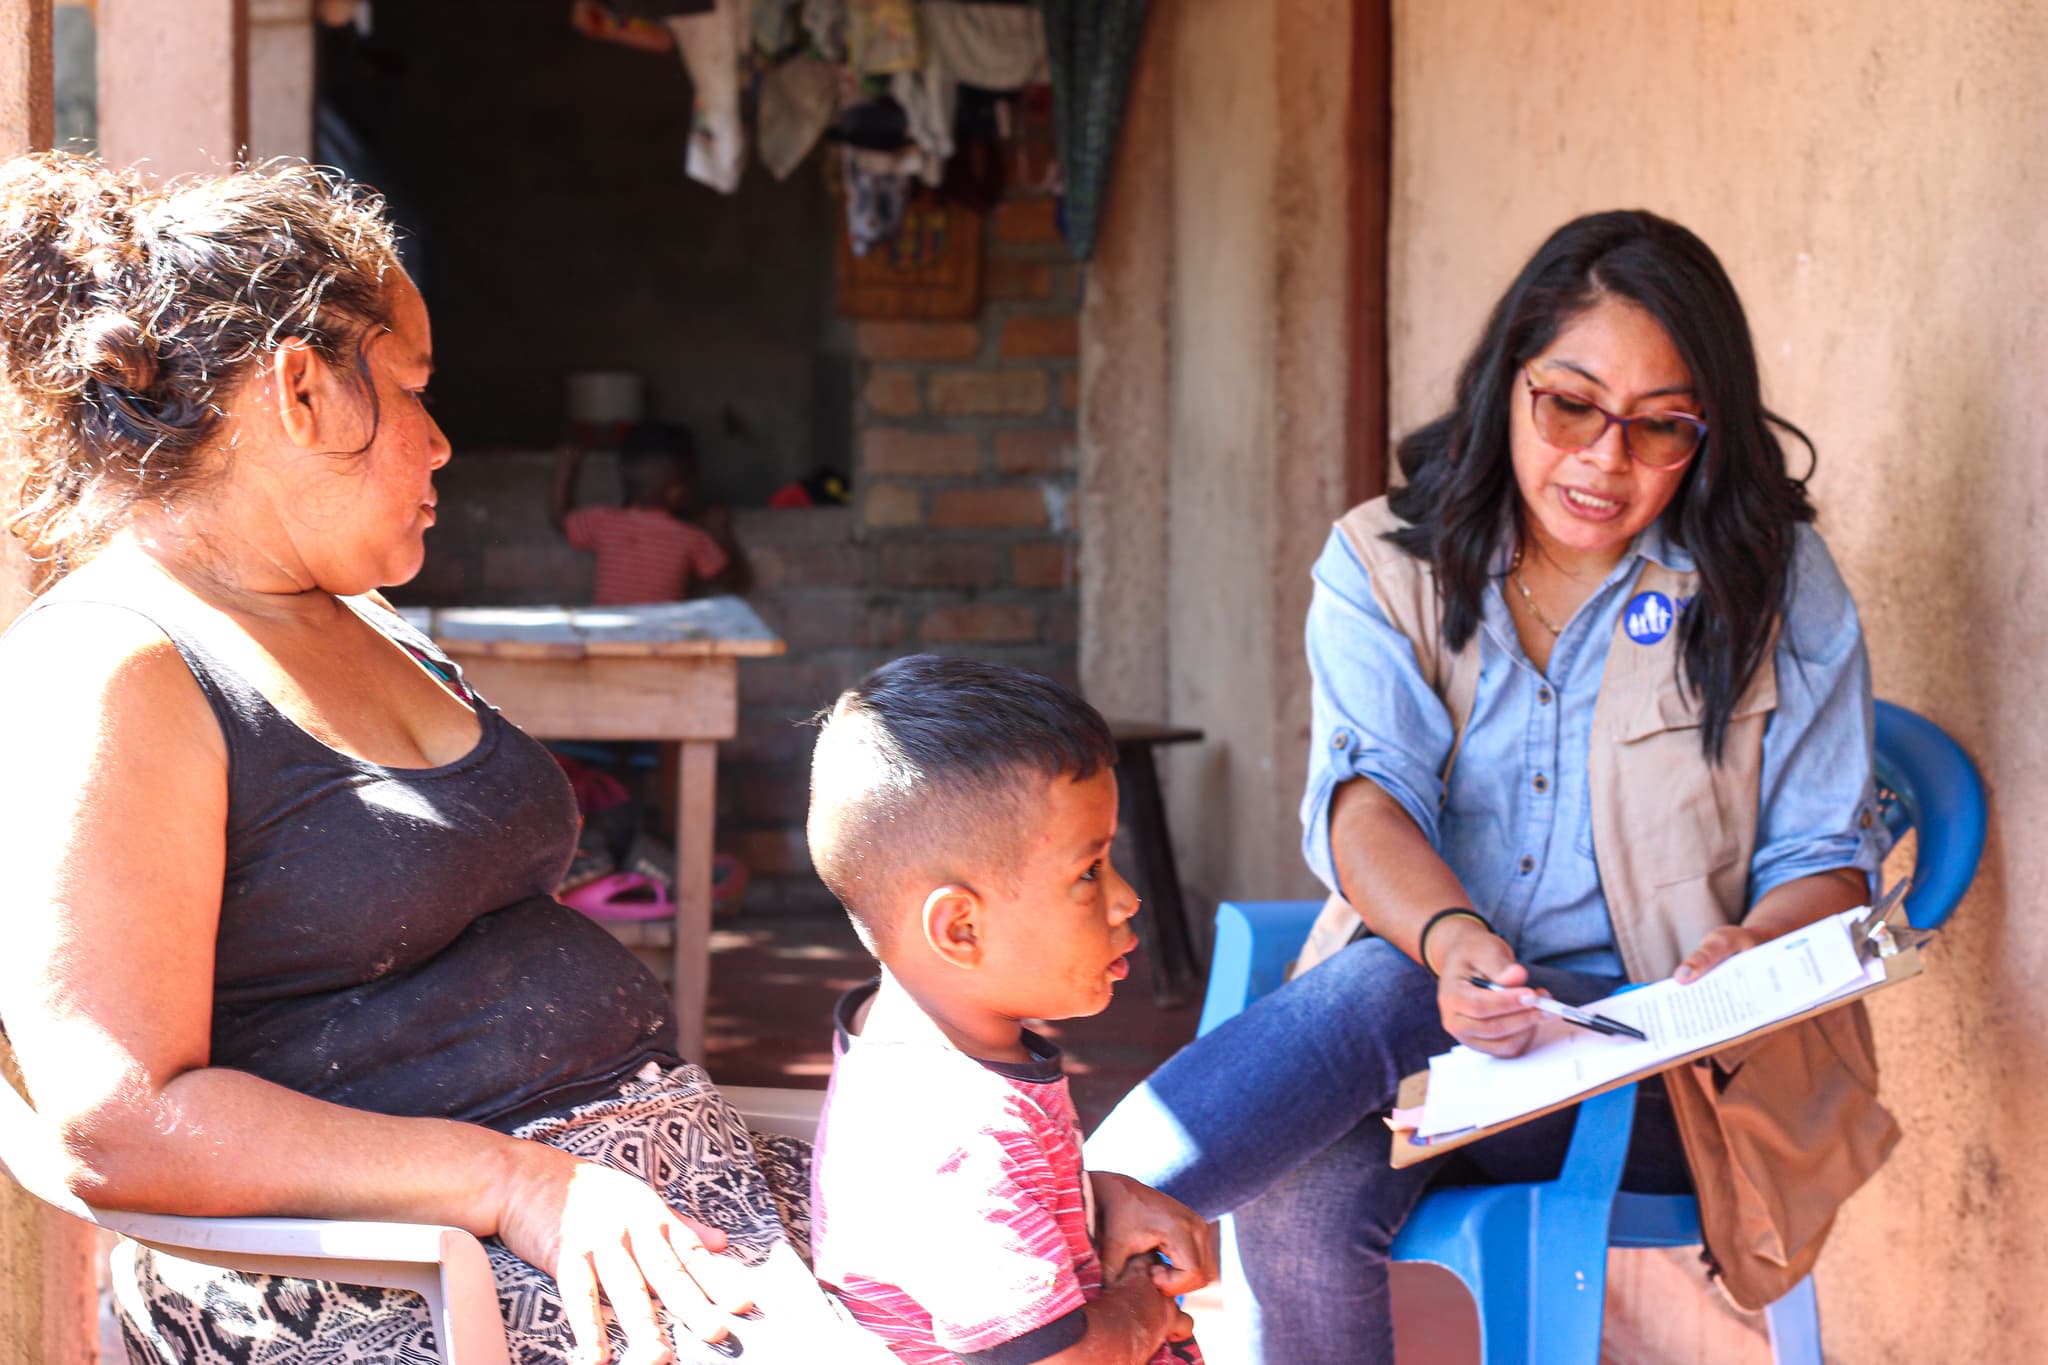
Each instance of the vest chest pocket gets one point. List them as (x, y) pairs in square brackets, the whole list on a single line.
[(1690, 818)]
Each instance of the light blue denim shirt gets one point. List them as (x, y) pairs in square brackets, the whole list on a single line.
[(1523, 847)]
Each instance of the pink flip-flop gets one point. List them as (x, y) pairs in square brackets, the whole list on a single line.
[(620, 896)]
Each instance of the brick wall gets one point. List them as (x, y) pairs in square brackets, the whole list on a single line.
[(961, 538)]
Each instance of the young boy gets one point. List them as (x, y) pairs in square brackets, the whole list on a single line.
[(963, 813), (649, 550)]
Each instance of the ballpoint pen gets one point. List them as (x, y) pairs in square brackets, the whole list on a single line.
[(1598, 1023)]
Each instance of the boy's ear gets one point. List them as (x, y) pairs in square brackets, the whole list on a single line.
[(951, 921)]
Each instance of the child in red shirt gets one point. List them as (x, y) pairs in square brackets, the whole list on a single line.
[(649, 550), (963, 813)]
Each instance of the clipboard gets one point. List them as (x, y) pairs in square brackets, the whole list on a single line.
[(1903, 964)]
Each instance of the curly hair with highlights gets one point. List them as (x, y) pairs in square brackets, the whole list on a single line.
[(132, 312)]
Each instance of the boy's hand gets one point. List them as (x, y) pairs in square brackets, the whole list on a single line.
[(1138, 1220), (1169, 1321), (1181, 1326)]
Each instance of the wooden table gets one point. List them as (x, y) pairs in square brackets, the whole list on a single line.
[(667, 671)]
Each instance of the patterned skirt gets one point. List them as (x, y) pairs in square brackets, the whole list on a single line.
[(672, 1129)]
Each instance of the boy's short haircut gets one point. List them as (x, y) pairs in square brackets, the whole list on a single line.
[(651, 454), (917, 774)]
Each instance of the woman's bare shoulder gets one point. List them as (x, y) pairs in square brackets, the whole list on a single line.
[(84, 657)]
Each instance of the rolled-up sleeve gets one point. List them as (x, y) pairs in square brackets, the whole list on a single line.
[(1373, 713), (1817, 807)]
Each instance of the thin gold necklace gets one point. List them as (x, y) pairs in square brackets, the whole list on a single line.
[(1515, 577)]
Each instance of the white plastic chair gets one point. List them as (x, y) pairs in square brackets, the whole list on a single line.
[(445, 1266)]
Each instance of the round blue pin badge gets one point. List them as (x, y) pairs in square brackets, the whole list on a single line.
[(1648, 617)]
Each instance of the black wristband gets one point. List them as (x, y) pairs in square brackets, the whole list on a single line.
[(1422, 943)]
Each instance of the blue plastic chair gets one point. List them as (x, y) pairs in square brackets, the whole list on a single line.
[(1535, 1256)]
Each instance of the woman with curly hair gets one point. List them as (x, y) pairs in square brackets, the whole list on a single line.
[(283, 938)]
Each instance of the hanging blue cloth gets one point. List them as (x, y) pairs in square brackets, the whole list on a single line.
[(1091, 45)]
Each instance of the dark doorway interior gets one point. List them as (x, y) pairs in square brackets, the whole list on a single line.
[(541, 175)]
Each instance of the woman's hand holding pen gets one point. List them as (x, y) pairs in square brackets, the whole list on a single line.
[(1500, 1022)]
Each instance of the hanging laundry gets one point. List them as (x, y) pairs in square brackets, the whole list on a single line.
[(997, 47), (798, 100), (928, 96), (660, 10), (977, 175), (1093, 45), (775, 27), (877, 190), (882, 36), (606, 25), (825, 26), (713, 47), (992, 46), (878, 124)]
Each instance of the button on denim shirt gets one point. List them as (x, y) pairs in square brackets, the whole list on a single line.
[(1516, 825)]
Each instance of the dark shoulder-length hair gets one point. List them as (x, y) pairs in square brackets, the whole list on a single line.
[(1736, 509)]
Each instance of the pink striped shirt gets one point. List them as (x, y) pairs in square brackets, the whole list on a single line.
[(643, 553), (949, 1208)]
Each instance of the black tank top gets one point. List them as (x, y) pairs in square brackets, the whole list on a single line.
[(389, 938)]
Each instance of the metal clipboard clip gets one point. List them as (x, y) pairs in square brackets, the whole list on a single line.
[(1885, 930)]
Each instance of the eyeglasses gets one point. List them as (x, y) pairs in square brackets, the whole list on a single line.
[(1658, 440)]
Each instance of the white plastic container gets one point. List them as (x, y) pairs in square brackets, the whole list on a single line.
[(606, 400)]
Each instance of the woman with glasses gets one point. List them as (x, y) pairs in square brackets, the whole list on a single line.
[(1591, 704)]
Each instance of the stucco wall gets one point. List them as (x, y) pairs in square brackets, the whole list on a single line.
[(1871, 171), (1226, 280), (1124, 454)]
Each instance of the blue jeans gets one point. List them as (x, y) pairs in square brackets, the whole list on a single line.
[(1275, 1117)]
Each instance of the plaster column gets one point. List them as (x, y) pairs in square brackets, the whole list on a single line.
[(49, 1297), (27, 116), (174, 83), (1125, 458), (1222, 389), (281, 67), (1260, 397), (45, 1257), (26, 109)]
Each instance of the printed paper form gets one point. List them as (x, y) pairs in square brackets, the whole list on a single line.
[(1772, 981)]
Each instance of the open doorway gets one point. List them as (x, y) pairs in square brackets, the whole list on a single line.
[(539, 177)]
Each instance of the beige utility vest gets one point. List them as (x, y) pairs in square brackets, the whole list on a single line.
[(1777, 1132)]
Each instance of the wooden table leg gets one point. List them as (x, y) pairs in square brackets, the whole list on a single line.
[(696, 813)]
